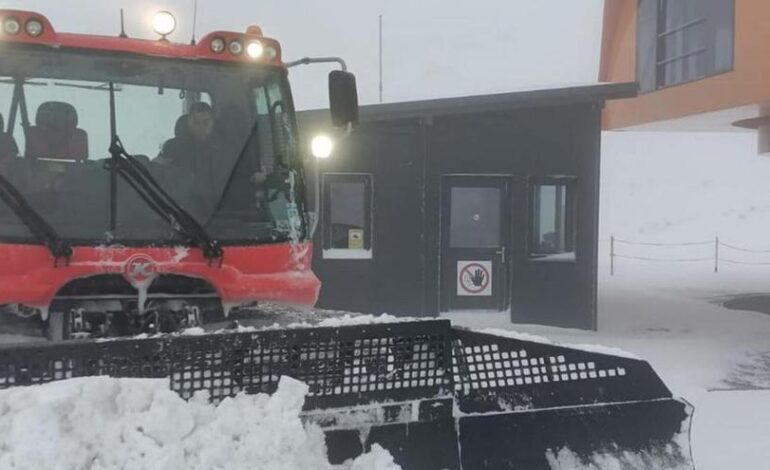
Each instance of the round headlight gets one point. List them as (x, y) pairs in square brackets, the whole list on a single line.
[(270, 52), (321, 146), (236, 47), (11, 26), (255, 49), (163, 23), (217, 45), (34, 27)]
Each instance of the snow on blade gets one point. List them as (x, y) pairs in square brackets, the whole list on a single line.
[(107, 423), (659, 459), (594, 348)]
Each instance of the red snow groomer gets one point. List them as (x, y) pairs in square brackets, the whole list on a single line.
[(147, 186)]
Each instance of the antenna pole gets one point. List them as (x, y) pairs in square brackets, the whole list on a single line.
[(122, 26), (380, 58), (195, 21)]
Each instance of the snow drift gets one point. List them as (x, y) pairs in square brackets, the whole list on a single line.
[(107, 423)]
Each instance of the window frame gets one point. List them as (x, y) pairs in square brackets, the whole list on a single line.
[(708, 47), (328, 252), (570, 222)]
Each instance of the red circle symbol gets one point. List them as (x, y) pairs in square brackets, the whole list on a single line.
[(477, 278), (139, 269)]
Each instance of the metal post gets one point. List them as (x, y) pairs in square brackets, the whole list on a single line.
[(716, 254), (612, 255), (380, 58)]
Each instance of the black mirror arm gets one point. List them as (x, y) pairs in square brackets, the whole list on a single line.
[(319, 60)]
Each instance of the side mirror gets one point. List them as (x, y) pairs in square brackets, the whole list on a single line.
[(343, 98)]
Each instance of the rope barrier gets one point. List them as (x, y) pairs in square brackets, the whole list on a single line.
[(663, 260), (716, 258), (628, 242), (738, 248), (754, 263)]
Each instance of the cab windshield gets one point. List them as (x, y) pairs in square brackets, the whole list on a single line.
[(219, 138)]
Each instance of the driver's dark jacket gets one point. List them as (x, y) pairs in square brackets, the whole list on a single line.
[(196, 156), (202, 160)]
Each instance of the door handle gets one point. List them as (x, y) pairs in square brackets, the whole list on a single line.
[(501, 252)]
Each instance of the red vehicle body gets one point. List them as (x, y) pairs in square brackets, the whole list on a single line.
[(278, 273), (31, 277)]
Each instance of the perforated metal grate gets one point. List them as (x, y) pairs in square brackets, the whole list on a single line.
[(487, 366), (493, 373), (342, 366), (339, 365)]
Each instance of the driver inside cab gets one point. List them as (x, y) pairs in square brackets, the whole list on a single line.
[(192, 146), (224, 157)]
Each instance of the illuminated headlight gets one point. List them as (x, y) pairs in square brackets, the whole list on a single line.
[(236, 47), (163, 23), (11, 26), (270, 52), (217, 45), (34, 27), (321, 146), (255, 49)]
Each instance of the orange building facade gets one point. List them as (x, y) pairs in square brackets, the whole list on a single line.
[(702, 65)]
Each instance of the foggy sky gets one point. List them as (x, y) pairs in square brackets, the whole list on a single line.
[(432, 48)]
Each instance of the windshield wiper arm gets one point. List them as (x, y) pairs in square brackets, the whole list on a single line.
[(140, 179), (41, 229)]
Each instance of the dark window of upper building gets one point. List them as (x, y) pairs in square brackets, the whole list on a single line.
[(680, 41), (347, 215), (552, 219)]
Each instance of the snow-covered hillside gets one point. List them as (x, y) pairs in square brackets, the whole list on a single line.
[(685, 186)]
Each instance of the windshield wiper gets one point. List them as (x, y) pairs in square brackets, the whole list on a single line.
[(140, 179), (42, 230)]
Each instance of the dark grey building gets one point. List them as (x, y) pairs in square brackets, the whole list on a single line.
[(474, 203)]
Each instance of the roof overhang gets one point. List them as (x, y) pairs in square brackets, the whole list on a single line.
[(560, 96)]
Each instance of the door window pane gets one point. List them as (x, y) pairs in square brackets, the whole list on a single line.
[(552, 221), (475, 217)]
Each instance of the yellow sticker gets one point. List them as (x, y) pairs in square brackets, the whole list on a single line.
[(355, 239)]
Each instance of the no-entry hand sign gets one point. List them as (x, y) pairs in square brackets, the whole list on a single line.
[(474, 278)]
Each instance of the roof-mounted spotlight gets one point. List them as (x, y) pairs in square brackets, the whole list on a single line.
[(34, 27), (235, 47), (11, 26), (217, 45), (255, 49), (163, 23)]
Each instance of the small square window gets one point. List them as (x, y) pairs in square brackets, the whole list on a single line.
[(552, 219), (347, 216)]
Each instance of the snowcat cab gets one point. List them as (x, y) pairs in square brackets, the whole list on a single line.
[(118, 214), (146, 186)]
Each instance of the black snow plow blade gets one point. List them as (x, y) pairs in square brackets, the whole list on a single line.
[(434, 396)]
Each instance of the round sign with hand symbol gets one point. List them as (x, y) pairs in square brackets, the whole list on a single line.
[(474, 278)]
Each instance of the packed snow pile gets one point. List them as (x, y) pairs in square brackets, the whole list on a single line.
[(107, 423)]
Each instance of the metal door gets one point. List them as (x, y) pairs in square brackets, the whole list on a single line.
[(475, 242)]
